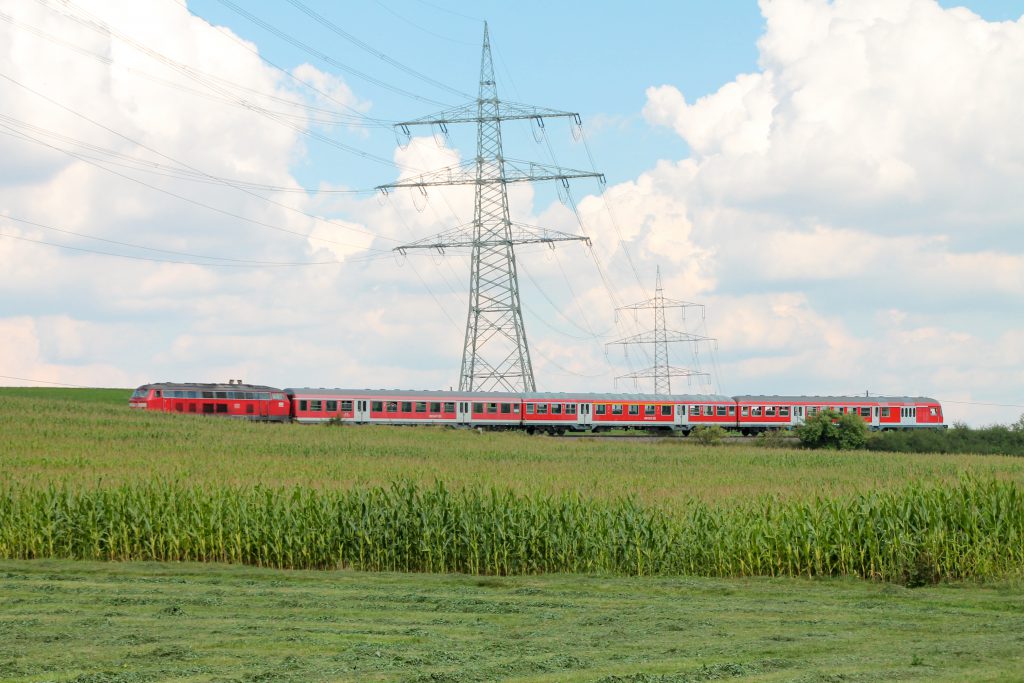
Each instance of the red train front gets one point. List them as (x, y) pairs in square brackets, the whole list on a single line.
[(234, 399)]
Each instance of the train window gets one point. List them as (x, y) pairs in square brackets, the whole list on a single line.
[(193, 394), (732, 410), (140, 393), (650, 409), (745, 411), (556, 408), (316, 406), (720, 411), (478, 407), (156, 393), (570, 409), (542, 408), (220, 394), (421, 406), (755, 411), (332, 407), (783, 411), (913, 412), (222, 407), (600, 409), (249, 408), (435, 406), (709, 410), (769, 411), (303, 405), (529, 409), (515, 408), (634, 409), (406, 406), (666, 410), (616, 409), (506, 408), (278, 397), (449, 406), (207, 394), (865, 412), (346, 406), (392, 406), (207, 408), (492, 407), (933, 411), (377, 406)]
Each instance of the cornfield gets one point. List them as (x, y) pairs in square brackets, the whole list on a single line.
[(973, 529)]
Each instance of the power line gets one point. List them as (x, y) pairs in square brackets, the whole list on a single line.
[(270, 28), (334, 28), (43, 381), (245, 262)]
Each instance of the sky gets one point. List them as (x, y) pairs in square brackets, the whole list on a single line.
[(186, 192)]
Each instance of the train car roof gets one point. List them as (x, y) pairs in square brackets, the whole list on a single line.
[(208, 386), (839, 399), (501, 395)]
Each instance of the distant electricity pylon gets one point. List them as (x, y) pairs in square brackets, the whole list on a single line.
[(660, 337), (495, 355)]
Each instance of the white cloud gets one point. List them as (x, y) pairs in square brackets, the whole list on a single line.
[(849, 214)]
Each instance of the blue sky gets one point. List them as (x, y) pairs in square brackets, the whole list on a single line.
[(836, 181)]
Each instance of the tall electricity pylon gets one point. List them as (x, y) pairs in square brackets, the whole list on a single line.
[(495, 354), (661, 371)]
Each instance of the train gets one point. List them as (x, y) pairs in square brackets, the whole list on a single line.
[(532, 412)]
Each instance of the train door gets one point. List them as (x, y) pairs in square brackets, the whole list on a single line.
[(583, 415), (361, 410), (680, 415), (798, 416), (464, 416)]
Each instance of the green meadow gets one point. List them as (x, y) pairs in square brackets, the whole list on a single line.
[(241, 552)]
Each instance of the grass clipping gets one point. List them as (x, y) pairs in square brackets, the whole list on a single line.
[(916, 535)]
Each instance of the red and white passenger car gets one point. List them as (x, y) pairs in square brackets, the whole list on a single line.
[(761, 413)]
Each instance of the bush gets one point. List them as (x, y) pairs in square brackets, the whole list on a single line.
[(709, 436), (829, 429), (994, 440), (774, 438)]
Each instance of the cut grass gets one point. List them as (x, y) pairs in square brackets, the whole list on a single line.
[(83, 621)]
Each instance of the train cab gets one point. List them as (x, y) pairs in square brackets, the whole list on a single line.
[(234, 399)]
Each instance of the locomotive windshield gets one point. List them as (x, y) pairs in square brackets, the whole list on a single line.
[(141, 392)]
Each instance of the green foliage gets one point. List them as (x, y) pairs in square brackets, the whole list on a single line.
[(829, 429), (995, 440), (774, 438), (709, 436), (914, 536)]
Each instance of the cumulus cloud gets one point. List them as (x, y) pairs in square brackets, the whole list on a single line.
[(847, 212), (872, 161)]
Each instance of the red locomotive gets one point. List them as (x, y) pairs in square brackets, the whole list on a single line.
[(553, 413), (234, 399)]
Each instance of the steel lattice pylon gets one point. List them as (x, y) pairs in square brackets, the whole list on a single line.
[(495, 354), (661, 372)]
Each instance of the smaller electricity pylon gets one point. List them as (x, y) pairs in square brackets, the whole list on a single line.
[(661, 372)]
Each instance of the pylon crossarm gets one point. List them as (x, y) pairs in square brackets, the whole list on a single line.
[(653, 303), (514, 172), (668, 336), (462, 236), (648, 373), (470, 113)]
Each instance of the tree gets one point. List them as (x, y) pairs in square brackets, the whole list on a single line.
[(1018, 426), (829, 429)]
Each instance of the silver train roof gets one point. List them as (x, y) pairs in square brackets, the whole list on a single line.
[(505, 396), (837, 399)]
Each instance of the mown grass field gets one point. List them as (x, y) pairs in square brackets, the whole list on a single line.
[(130, 623)]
